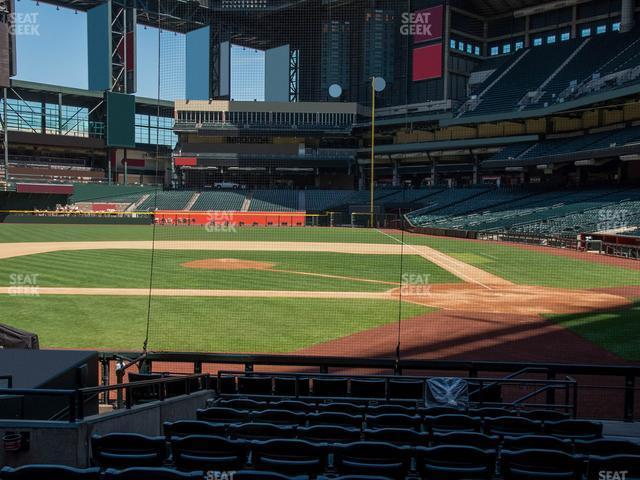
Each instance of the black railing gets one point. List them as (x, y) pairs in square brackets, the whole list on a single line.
[(478, 396), (77, 398), (625, 375)]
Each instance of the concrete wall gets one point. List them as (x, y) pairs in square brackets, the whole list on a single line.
[(65, 443)]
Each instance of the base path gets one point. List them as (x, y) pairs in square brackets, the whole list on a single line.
[(465, 272)]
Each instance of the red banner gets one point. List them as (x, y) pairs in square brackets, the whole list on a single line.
[(427, 62)]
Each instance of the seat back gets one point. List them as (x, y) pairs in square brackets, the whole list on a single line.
[(452, 423), (120, 450), (222, 415), (149, 473), (255, 385), (49, 472), (397, 436), (291, 386), (282, 417), (261, 431), (511, 426), (393, 420), (406, 389), (574, 429), (184, 428), (374, 388), (540, 464), (600, 465), (605, 447), (207, 452), (537, 442), (328, 434), (340, 419), (330, 387), (372, 458), (342, 407), (452, 461), (467, 439), (290, 456)]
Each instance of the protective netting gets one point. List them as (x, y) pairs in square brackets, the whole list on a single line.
[(257, 231)]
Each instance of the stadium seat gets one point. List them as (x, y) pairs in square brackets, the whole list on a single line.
[(455, 462), (205, 452), (281, 417), (393, 420), (511, 426), (293, 405), (355, 477), (603, 447), (544, 415), (223, 415), (436, 411), (264, 475), (397, 436), (537, 442), (148, 473), (540, 464), (452, 423), (242, 404), (372, 458), (328, 434), (121, 450), (290, 456), (255, 385), (388, 408), (374, 388), (574, 429), (406, 389), (342, 407), (226, 384), (599, 466), (49, 472), (261, 431), (490, 412), (330, 387), (184, 428), (330, 418), (291, 386), (467, 439)]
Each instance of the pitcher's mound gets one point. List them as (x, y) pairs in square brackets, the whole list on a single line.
[(228, 264)]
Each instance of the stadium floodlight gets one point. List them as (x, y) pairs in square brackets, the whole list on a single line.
[(335, 91)]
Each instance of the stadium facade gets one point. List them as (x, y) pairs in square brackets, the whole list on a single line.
[(476, 92)]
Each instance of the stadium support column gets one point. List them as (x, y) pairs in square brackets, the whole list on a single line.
[(627, 21), (5, 140), (208, 64), (445, 80), (111, 43), (396, 173)]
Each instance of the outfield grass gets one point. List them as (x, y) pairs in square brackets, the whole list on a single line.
[(617, 330), (276, 325), (528, 267), (131, 269)]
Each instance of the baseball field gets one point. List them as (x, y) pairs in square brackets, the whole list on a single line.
[(326, 291)]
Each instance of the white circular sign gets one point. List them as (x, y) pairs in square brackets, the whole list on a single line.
[(335, 90), (379, 84)]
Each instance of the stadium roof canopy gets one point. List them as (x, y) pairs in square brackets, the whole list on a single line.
[(186, 15)]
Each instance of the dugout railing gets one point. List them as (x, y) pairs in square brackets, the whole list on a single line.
[(602, 391)]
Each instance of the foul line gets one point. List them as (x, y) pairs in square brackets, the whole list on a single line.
[(451, 268)]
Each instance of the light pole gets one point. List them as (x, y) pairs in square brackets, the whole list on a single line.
[(378, 84)]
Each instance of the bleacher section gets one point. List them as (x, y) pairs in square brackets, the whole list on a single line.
[(543, 76), (103, 193), (166, 200), (220, 201), (274, 201), (284, 427), (561, 212), (560, 147)]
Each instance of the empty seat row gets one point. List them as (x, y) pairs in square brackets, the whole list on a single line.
[(60, 472), (206, 453), (503, 426), (380, 408), (322, 387)]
